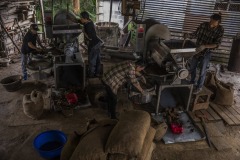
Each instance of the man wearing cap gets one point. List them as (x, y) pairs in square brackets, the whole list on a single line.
[(29, 45), (118, 75), (209, 36)]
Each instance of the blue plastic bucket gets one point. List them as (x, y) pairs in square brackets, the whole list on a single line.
[(49, 144)]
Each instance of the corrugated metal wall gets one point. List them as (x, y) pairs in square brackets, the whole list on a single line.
[(186, 15)]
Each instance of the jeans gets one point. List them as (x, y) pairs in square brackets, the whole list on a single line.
[(112, 101), (203, 61), (94, 60), (25, 60)]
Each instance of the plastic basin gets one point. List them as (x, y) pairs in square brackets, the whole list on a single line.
[(12, 83), (49, 144)]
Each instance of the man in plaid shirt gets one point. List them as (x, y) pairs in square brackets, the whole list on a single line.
[(119, 75), (209, 36)]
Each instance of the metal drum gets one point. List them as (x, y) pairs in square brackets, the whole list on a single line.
[(234, 60), (40, 69)]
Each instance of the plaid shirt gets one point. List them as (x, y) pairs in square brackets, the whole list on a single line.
[(207, 35), (119, 74)]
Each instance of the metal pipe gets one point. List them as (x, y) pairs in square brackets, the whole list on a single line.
[(110, 14), (43, 20), (123, 56)]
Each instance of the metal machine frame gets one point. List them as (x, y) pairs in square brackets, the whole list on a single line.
[(162, 87), (59, 63)]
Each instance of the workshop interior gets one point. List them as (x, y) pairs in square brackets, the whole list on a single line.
[(59, 91)]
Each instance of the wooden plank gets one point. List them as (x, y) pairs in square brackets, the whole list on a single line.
[(208, 116), (236, 109), (220, 143), (234, 112), (198, 112), (193, 116), (222, 114), (213, 130), (214, 114), (229, 114)]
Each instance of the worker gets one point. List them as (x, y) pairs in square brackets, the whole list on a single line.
[(93, 42), (118, 75), (28, 46), (208, 37)]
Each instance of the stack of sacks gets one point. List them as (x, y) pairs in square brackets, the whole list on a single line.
[(130, 138), (88, 144)]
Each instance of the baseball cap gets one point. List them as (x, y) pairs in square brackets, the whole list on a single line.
[(34, 27)]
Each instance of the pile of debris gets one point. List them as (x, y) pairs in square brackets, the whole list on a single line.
[(16, 17)]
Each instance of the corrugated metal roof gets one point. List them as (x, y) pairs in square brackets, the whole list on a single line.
[(186, 15)]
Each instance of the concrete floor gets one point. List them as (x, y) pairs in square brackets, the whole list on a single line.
[(18, 131)]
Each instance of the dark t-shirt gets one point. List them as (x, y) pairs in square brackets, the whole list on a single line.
[(29, 37), (89, 29)]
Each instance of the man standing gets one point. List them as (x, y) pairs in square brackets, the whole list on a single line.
[(119, 75), (94, 43), (209, 36), (29, 45)]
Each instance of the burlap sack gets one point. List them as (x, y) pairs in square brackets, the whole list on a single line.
[(161, 130), (74, 138), (70, 146), (117, 156), (211, 83), (149, 154), (106, 122), (33, 104), (47, 99), (147, 144), (128, 135), (224, 94), (91, 146)]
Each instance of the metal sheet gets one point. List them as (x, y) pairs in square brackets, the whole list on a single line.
[(190, 132), (195, 11), (171, 96), (186, 15), (67, 31), (174, 46)]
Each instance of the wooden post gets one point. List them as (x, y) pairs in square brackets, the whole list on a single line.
[(43, 20)]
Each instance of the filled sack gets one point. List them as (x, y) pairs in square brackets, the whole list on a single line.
[(128, 136)]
